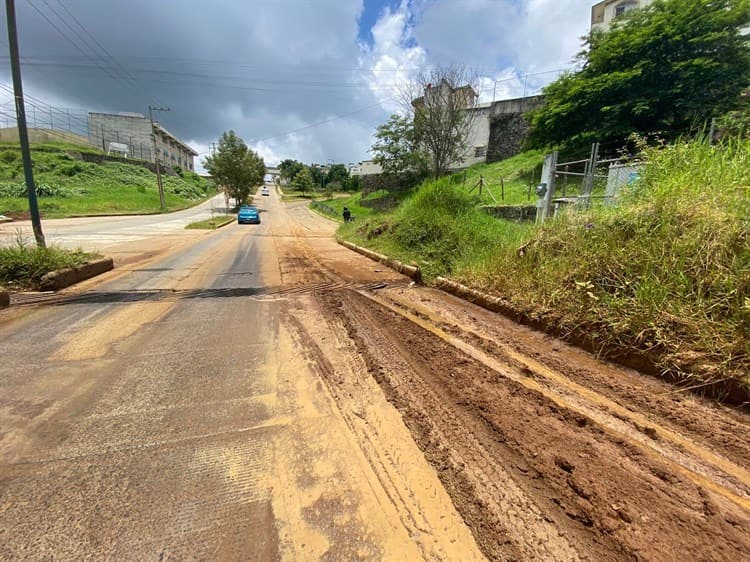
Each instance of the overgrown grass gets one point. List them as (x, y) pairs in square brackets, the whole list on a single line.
[(440, 227), (211, 224), (667, 270), (69, 187), (22, 266)]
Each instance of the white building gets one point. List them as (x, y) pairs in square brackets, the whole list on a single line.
[(365, 168), (602, 13)]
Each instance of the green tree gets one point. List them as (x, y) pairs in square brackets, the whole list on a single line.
[(395, 147), (317, 175), (235, 167), (303, 181), (290, 168), (665, 68), (440, 101), (337, 173)]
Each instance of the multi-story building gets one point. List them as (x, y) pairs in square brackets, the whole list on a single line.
[(602, 13), (495, 130), (134, 131), (365, 168)]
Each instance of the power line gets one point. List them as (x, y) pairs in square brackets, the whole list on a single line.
[(69, 40)]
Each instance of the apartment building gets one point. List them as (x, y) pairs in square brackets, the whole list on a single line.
[(134, 131), (603, 13)]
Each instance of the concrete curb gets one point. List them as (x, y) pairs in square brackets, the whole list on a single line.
[(4, 298), (728, 391), (56, 280), (409, 270)]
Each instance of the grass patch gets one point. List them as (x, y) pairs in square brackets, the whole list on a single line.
[(666, 271), (22, 266), (211, 224), (70, 187), (440, 227)]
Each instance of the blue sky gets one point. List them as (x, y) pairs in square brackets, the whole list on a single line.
[(371, 11)]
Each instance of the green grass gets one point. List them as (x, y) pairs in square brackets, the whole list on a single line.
[(72, 187), (22, 266), (666, 270), (211, 224), (440, 227)]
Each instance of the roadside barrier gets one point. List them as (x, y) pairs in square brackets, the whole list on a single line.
[(411, 271)]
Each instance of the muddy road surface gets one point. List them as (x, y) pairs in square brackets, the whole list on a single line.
[(262, 393)]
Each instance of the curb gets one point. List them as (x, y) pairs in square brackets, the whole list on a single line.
[(728, 391), (4, 298), (56, 280), (412, 271)]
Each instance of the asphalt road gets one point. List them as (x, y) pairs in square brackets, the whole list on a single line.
[(103, 233), (262, 393), (169, 413)]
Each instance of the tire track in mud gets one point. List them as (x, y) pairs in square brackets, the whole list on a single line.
[(527, 474)]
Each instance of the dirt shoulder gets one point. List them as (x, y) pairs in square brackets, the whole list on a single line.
[(546, 451)]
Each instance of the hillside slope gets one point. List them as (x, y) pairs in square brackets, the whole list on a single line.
[(68, 186)]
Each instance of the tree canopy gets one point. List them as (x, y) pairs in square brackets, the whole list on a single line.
[(235, 167), (289, 168), (665, 68)]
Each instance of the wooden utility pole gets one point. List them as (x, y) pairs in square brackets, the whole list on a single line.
[(162, 200), (23, 134)]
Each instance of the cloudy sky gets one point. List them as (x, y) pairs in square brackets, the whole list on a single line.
[(304, 79)]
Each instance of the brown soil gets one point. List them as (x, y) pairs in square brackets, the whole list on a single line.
[(546, 451)]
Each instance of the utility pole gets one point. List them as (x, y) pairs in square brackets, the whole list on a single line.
[(162, 201), (23, 134)]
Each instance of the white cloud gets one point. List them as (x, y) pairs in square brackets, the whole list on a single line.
[(269, 70)]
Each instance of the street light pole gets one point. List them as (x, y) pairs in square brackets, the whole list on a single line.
[(162, 200), (23, 134)]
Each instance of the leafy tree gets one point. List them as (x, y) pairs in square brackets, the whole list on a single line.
[(290, 168), (303, 181), (664, 68), (440, 101), (317, 175), (235, 167), (395, 148), (337, 173)]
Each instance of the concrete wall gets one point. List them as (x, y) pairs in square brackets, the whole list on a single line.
[(38, 136), (135, 131), (365, 168), (498, 130), (105, 128), (477, 138)]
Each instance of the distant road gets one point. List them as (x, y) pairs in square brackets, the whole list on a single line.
[(100, 233)]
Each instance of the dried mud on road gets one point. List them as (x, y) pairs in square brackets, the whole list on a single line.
[(547, 452), (268, 394)]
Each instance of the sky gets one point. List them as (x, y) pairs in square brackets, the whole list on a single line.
[(303, 79)]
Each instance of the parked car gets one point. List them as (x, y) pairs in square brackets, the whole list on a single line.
[(248, 215), (265, 191)]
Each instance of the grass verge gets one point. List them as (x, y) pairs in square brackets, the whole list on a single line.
[(211, 224), (69, 187), (664, 273), (22, 266)]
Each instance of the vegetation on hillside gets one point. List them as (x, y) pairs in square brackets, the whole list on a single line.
[(665, 270), (667, 68), (67, 186)]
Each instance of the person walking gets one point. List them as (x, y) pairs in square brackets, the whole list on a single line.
[(347, 214)]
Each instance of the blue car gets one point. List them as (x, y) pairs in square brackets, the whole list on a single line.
[(248, 215)]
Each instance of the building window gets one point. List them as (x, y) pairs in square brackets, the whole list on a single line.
[(480, 151), (620, 9)]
